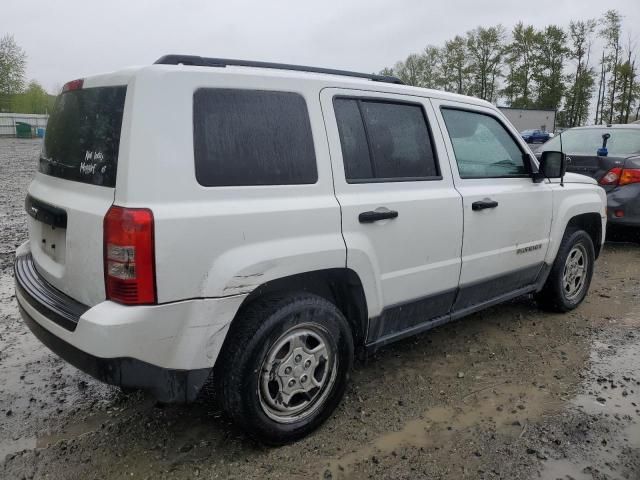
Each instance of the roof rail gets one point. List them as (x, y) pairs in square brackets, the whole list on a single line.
[(224, 62)]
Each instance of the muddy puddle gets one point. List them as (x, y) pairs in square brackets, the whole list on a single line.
[(504, 407), (577, 415), (611, 392), (37, 389)]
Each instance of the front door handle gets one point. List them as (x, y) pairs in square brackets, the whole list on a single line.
[(482, 204), (376, 215)]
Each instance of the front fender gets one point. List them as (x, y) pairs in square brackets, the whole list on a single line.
[(570, 201)]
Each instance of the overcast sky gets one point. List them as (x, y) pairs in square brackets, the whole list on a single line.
[(73, 38)]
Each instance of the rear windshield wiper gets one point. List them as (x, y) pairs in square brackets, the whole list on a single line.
[(55, 163)]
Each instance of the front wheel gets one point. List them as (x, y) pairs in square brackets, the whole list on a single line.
[(285, 366), (571, 273)]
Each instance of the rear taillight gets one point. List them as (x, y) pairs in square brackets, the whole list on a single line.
[(629, 175), (621, 176), (611, 177), (73, 85), (129, 257)]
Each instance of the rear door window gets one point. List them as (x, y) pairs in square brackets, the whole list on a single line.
[(83, 136), (252, 137), (384, 141)]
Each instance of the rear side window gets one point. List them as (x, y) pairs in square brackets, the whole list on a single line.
[(384, 141), (83, 136), (252, 137)]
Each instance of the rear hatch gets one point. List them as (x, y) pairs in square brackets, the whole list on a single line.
[(74, 187), (581, 146)]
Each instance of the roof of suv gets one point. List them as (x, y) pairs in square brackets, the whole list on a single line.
[(326, 77)]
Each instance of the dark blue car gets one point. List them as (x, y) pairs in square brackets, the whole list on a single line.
[(535, 136)]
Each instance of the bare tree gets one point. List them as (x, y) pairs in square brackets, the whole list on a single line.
[(485, 47), (431, 67), (13, 61), (410, 71), (601, 91), (611, 32), (522, 62), (627, 91), (455, 65), (548, 68), (578, 96)]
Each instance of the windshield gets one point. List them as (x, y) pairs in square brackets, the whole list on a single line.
[(623, 141), (83, 136)]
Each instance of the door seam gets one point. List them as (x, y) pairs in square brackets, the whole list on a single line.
[(453, 183), (333, 180)]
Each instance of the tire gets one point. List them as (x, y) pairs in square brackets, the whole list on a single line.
[(562, 293), (267, 350)]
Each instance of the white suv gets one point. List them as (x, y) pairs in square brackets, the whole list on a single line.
[(259, 223)]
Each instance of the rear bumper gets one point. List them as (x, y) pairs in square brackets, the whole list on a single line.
[(166, 349), (167, 385), (623, 205)]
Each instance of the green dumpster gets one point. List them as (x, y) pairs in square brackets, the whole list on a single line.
[(23, 130)]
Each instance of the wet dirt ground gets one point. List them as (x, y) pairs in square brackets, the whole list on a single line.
[(511, 393)]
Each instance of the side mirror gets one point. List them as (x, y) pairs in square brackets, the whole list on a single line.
[(552, 165)]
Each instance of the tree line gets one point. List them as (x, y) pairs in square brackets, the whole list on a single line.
[(16, 94), (550, 68)]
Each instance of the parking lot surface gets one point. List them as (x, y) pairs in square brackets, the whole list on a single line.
[(511, 392)]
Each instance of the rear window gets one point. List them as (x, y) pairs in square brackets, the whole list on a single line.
[(623, 141), (83, 136), (252, 137)]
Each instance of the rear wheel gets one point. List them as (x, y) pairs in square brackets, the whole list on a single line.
[(570, 276), (285, 366)]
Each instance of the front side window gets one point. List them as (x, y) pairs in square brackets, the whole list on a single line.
[(384, 141), (482, 146), (252, 137)]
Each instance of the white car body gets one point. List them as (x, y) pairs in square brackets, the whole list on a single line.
[(214, 246)]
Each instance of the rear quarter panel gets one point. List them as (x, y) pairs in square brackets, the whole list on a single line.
[(221, 241)]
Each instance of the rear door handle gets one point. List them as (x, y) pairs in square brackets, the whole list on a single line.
[(482, 204), (376, 215)]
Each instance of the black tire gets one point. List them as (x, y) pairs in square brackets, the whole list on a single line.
[(253, 335), (553, 295)]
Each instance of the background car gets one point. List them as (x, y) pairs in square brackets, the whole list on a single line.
[(535, 136), (615, 164)]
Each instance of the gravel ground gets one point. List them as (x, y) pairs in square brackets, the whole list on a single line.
[(512, 393)]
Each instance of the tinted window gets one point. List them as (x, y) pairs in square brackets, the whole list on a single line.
[(483, 148), (83, 136), (250, 137), (384, 140), (355, 151)]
